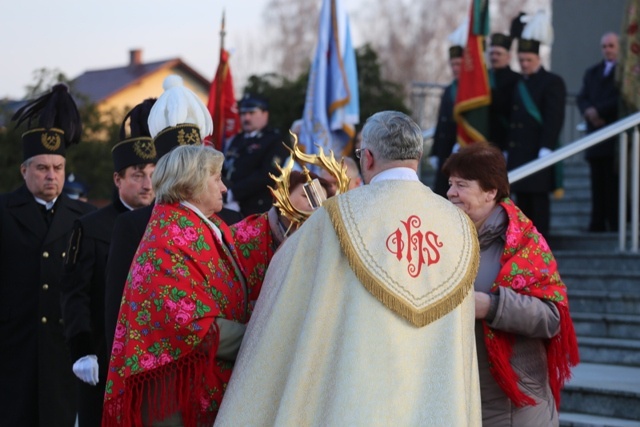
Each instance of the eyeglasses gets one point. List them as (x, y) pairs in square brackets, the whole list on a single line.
[(358, 152)]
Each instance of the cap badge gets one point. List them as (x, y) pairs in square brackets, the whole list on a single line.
[(50, 140), (144, 149)]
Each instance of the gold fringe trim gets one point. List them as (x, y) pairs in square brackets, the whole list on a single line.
[(414, 316)]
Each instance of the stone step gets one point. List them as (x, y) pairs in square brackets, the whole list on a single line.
[(603, 390), (576, 180), (607, 325), (604, 302), (597, 260), (571, 197), (581, 191), (591, 279), (573, 222), (572, 240), (571, 419), (580, 209), (611, 351)]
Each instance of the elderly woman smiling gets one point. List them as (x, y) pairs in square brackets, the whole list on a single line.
[(185, 302), (525, 338)]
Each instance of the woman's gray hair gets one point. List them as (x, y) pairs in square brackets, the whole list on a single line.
[(392, 136), (181, 174)]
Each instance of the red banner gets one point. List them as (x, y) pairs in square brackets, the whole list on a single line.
[(474, 92), (222, 104)]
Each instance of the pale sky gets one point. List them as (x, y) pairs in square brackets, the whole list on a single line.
[(75, 36)]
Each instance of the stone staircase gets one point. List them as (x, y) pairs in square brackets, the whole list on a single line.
[(604, 297)]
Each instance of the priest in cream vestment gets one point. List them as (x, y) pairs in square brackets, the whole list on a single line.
[(366, 316)]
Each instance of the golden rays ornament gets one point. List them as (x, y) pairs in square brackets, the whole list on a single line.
[(281, 191)]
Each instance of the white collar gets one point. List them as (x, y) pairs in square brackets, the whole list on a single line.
[(401, 173), (125, 205), (47, 205), (211, 225)]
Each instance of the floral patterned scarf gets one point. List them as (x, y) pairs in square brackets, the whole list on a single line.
[(181, 279), (529, 268)]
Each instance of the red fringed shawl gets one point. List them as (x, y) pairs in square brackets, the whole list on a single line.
[(181, 279), (529, 268)]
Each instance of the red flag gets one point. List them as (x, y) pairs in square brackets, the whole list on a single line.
[(222, 104), (474, 92)]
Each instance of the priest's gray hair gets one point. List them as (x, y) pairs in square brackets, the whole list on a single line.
[(392, 135), (182, 174)]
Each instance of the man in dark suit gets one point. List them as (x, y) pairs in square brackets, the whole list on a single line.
[(36, 381), (85, 264), (598, 103), (130, 226), (251, 156), (503, 82), (445, 135), (536, 121)]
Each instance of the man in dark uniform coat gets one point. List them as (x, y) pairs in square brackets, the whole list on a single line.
[(503, 82), (445, 135), (85, 265), (536, 121), (598, 103), (130, 227), (251, 156), (38, 386)]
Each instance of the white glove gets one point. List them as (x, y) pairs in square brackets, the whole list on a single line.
[(544, 151), (86, 368), (433, 161)]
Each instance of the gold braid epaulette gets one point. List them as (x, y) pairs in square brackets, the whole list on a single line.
[(417, 318)]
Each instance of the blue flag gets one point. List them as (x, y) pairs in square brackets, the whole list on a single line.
[(332, 107)]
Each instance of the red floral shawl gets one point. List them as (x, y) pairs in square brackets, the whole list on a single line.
[(166, 339), (529, 268)]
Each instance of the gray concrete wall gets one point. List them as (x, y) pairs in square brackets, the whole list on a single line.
[(578, 26)]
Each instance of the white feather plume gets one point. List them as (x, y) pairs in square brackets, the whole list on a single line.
[(459, 36), (178, 105), (538, 27)]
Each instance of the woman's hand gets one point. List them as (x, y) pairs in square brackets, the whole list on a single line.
[(483, 302)]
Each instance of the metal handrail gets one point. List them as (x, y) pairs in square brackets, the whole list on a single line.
[(618, 128)]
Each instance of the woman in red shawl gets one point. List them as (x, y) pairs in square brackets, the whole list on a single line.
[(524, 334), (186, 300)]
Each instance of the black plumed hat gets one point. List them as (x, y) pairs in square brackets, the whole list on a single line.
[(53, 121), (517, 25), (502, 40), (137, 147)]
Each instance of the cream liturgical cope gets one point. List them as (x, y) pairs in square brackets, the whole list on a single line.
[(366, 318)]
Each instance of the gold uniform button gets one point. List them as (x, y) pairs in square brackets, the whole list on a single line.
[(43, 320), (45, 287), (45, 254), (63, 254)]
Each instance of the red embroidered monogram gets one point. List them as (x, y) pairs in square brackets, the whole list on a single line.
[(416, 243)]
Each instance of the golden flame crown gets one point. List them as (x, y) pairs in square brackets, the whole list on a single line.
[(281, 191)]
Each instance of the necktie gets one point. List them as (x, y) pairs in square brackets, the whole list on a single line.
[(47, 214)]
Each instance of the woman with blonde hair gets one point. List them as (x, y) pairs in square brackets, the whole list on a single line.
[(185, 302)]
